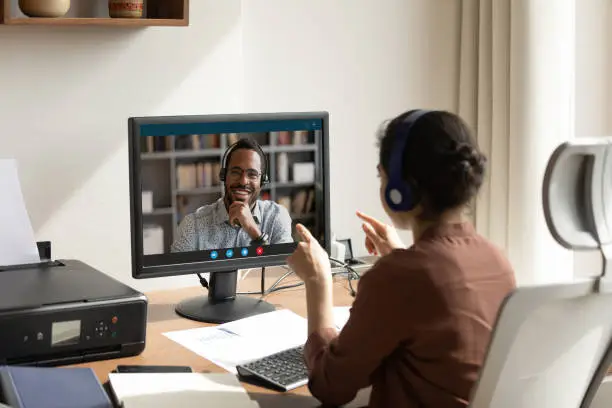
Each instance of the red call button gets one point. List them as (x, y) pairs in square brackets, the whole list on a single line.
[(259, 250)]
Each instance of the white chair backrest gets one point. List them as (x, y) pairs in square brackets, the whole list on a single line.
[(551, 346)]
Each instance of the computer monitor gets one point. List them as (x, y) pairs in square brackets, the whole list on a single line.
[(213, 194)]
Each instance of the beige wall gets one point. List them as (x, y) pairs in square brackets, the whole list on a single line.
[(67, 94), (362, 60)]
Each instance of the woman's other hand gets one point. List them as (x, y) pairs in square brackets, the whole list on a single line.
[(309, 261), (381, 238)]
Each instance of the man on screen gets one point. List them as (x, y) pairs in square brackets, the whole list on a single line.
[(239, 218)]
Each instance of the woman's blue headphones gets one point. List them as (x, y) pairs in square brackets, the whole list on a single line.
[(399, 194)]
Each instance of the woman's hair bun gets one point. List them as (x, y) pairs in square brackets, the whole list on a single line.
[(467, 157)]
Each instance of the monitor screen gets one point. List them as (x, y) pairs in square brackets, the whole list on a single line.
[(223, 192)]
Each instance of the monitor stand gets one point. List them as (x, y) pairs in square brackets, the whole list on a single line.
[(222, 304)]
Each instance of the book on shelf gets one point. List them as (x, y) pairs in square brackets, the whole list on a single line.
[(309, 204), (195, 175), (300, 137), (157, 144), (285, 201), (301, 202), (284, 138), (232, 138), (213, 141), (197, 142), (180, 143), (186, 177), (204, 174), (282, 167)]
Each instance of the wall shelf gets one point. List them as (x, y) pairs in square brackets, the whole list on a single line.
[(161, 13), (118, 22)]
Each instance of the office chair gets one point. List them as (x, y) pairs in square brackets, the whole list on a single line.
[(551, 345)]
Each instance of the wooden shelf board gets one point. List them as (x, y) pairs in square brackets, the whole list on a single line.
[(117, 22), (199, 190), (160, 211), (290, 148), (210, 190)]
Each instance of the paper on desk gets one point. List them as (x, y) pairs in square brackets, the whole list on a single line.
[(341, 316), (17, 242), (244, 340), (185, 390), (278, 323)]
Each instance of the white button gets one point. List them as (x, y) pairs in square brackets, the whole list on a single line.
[(396, 196)]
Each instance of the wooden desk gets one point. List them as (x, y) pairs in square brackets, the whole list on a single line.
[(162, 351)]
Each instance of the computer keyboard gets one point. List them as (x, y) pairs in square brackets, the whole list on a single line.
[(285, 370)]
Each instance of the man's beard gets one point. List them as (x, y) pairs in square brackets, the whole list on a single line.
[(229, 196)]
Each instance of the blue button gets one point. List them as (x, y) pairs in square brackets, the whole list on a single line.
[(214, 254), (244, 252), (229, 253)]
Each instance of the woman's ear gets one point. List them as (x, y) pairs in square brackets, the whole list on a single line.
[(381, 173)]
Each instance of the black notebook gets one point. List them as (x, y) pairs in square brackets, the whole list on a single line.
[(50, 387)]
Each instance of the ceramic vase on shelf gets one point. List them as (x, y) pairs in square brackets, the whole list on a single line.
[(125, 8), (44, 8)]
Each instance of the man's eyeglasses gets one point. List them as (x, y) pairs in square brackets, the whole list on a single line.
[(235, 173)]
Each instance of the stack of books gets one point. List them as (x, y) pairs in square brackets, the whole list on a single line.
[(57, 387)]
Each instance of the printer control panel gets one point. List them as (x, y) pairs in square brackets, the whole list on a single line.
[(66, 332), (72, 330), (107, 327)]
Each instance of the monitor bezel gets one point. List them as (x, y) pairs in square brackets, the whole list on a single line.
[(139, 270)]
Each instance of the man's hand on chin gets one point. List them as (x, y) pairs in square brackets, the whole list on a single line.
[(240, 213)]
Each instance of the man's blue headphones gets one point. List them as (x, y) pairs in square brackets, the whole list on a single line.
[(400, 194)]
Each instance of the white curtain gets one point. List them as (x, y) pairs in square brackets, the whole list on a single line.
[(516, 90)]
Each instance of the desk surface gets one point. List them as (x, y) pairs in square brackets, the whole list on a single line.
[(162, 351)]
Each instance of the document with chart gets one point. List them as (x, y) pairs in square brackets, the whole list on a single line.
[(244, 340)]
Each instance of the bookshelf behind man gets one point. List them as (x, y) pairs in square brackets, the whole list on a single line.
[(181, 173)]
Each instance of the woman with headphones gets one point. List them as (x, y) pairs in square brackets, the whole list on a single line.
[(422, 319)]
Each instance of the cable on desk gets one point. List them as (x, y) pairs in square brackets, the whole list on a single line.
[(203, 281), (274, 287), (351, 274), (263, 279), (263, 291)]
